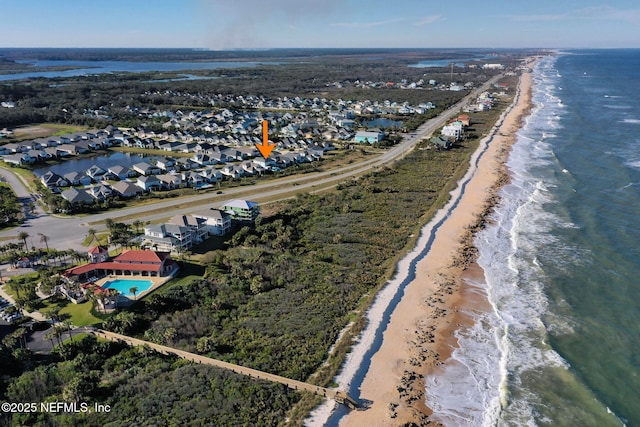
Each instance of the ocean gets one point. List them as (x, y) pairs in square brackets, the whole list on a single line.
[(561, 256)]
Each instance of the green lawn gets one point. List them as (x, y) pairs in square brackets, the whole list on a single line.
[(80, 314), (77, 314)]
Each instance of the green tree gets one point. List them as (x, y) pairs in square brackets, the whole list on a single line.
[(23, 236), (44, 239), (137, 224), (93, 233)]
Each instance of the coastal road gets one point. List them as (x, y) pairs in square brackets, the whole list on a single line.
[(64, 233)]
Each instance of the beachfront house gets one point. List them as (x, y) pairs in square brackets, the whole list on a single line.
[(242, 210), (168, 237), (218, 222), (197, 225)]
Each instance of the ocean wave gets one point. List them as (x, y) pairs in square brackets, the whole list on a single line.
[(482, 383), (633, 164)]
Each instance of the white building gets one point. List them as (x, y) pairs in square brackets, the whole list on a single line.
[(217, 222)]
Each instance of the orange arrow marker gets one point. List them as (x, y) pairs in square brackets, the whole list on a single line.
[(265, 148)]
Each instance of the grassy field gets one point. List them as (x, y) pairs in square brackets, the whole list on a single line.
[(77, 314), (44, 130), (80, 314)]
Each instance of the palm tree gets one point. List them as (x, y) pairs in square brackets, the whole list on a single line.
[(68, 326), (137, 223), (93, 234), (133, 290), (23, 236), (44, 239), (109, 223), (49, 336)]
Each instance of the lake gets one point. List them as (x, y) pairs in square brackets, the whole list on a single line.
[(458, 62), (105, 162), (85, 68), (382, 123)]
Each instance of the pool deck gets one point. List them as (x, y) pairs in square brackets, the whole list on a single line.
[(157, 282)]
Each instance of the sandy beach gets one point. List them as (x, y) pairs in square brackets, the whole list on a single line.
[(419, 334)]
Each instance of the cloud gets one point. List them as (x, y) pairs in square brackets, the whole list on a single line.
[(631, 16), (366, 24), (428, 20)]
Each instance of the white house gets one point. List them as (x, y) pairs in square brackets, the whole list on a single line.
[(217, 221), (169, 237)]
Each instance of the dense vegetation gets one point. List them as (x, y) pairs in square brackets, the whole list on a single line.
[(75, 100), (143, 388), (10, 209), (275, 299)]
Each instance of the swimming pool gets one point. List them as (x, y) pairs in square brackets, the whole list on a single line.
[(124, 285)]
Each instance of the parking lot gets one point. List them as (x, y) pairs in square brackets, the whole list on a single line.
[(8, 312)]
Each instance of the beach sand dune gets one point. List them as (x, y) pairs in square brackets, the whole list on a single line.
[(420, 332)]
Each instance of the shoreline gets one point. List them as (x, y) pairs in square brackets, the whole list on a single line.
[(419, 335)]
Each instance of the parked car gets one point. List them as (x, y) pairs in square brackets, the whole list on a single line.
[(13, 317)]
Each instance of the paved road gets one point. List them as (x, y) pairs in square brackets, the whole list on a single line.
[(64, 233)]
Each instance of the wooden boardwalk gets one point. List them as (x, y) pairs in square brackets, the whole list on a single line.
[(337, 395)]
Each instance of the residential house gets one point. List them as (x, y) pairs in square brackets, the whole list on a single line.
[(149, 183), (126, 189), (242, 210), (169, 145), (192, 179), (266, 164), (233, 172), (197, 225), (170, 181), (371, 136), (101, 192), (169, 237), (53, 152), (18, 159), (51, 180), (218, 222), (77, 178), (15, 147), (144, 168), (453, 130), (316, 151), (203, 159), (440, 142), (77, 196), (84, 146), (210, 175), (166, 164), (234, 154), (96, 172), (121, 172), (250, 169), (38, 155), (184, 163)]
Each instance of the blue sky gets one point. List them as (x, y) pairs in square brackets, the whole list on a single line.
[(225, 24)]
